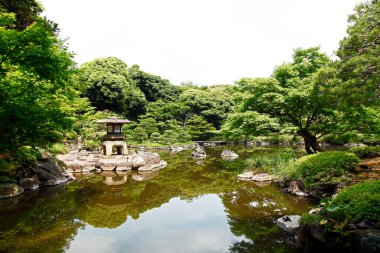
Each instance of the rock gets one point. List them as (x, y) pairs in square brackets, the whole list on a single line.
[(229, 153), (317, 210), (317, 233), (297, 187), (199, 151), (108, 166), (246, 175), (137, 161), (289, 223), (367, 241), (187, 146), (49, 170), (174, 147), (10, 190), (30, 183), (262, 177), (366, 224)]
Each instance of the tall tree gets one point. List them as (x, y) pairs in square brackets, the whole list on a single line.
[(107, 84), (154, 87), (297, 99), (359, 52), (35, 72)]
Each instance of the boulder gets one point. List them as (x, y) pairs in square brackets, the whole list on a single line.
[(289, 223), (10, 190), (367, 241), (199, 151), (297, 187), (49, 170), (138, 161), (229, 153), (246, 175), (30, 183), (174, 147), (262, 177)]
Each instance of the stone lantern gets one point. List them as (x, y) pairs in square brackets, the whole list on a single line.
[(114, 136)]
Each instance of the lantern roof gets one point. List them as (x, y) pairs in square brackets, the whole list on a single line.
[(113, 120)]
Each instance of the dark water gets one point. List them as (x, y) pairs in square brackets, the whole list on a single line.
[(187, 207)]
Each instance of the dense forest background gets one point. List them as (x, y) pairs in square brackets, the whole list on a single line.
[(45, 98)]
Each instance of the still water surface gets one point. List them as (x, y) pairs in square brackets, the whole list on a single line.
[(190, 206)]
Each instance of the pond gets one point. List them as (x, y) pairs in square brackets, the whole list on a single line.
[(189, 206)]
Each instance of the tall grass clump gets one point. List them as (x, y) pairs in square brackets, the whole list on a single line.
[(272, 161)]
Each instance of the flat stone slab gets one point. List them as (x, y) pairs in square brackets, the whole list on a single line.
[(289, 223), (246, 175), (262, 177)]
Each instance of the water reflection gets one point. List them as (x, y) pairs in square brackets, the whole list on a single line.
[(185, 207)]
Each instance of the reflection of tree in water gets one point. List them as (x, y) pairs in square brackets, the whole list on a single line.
[(48, 224), (54, 221), (251, 211)]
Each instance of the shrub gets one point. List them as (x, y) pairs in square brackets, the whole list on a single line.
[(58, 148), (27, 155), (308, 220), (169, 137), (91, 145), (366, 152), (358, 202), (324, 168), (155, 137)]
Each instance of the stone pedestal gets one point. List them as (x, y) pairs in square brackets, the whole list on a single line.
[(121, 147)]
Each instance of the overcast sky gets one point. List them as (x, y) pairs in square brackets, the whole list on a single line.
[(203, 41)]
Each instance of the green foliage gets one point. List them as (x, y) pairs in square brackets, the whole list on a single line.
[(58, 148), (108, 86), (358, 202), (169, 137), (139, 134), (91, 144), (4, 166), (150, 125), (26, 155), (154, 87), (212, 103), (366, 152), (326, 168), (360, 55), (198, 127), (308, 220), (272, 161), (155, 137), (340, 139)]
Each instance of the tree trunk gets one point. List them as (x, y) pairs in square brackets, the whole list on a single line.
[(311, 143)]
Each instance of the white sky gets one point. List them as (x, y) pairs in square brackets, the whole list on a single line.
[(204, 41)]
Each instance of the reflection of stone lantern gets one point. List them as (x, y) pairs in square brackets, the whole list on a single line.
[(115, 136)]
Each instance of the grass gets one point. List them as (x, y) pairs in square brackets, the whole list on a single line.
[(366, 152)]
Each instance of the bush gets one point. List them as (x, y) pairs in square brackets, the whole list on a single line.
[(340, 139), (155, 137), (58, 148), (366, 152), (27, 155), (324, 168), (91, 145), (308, 220), (358, 202)]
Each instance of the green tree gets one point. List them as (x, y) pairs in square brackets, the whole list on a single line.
[(154, 87), (155, 137), (213, 103), (150, 125), (139, 134), (107, 84), (35, 79), (198, 127), (359, 54), (169, 137), (297, 99)]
